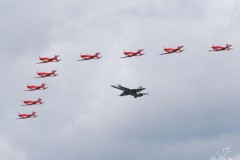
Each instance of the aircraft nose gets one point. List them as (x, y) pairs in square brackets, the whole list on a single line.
[(143, 88)]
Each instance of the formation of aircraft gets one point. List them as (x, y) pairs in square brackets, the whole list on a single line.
[(126, 91), (88, 56), (173, 50), (33, 102), (131, 53), (47, 74), (48, 59), (35, 87), (221, 48), (39, 87), (133, 92), (26, 115)]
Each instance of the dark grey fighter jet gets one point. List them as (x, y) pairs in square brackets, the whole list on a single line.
[(132, 92)]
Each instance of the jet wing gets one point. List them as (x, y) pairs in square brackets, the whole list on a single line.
[(165, 53), (126, 57), (36, 89), (125, 89), (21, 118), (121, 88), (49, 61), (123, 94), (117, 87), (26, 117)]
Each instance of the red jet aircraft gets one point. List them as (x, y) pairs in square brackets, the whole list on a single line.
[(131, 54), (47, 74), (47, 59), (33, 87), (32, 102), (173, 50), (87, 56), (221, 48), (25, 115)]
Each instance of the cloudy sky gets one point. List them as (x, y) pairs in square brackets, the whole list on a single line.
[(193, 108)]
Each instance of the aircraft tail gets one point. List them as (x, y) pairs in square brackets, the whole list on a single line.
[(140, 88), (179, 47), (56, 57), (54, 72), (40, 101), (96, 54), (34, 114), (139, 51), (228, 46), (43, 86)]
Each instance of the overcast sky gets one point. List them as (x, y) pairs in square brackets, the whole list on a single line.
[(191, 112)]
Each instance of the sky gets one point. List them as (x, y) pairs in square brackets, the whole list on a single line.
[(191, 112)]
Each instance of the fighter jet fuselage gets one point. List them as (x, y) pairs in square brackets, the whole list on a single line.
[(133, 92)]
